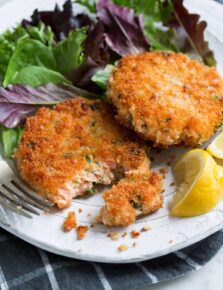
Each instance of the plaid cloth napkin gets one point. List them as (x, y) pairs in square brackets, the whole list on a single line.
[(26, 267)]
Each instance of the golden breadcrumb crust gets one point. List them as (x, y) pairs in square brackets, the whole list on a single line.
[(139, 193), (74, 137), (167, 98)]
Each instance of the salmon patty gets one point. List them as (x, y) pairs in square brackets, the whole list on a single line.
[(139, 193), (65, 150), (167, 98)]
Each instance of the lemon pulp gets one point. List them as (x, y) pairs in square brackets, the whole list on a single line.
[(199, 184)]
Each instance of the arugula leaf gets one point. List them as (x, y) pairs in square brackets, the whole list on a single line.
[(28, 52), (37, 75), (102, 76), (69, 52), (10, 139)]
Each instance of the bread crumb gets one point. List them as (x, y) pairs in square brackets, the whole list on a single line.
[(134, 234), (124, 234), (123, 248), (70, 222), (113, 235), (92, 225), (172, 184), (163, 191), (145, 229), (134, 244), (81, 232), (163, 170), (89, 215), (80, 210)]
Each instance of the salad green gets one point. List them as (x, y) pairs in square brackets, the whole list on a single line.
[(10, 138)]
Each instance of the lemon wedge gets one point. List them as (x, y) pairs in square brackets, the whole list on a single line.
[(216, 146), (199, 181)]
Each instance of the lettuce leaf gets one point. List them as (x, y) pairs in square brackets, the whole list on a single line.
[(37, 75), (28, 52), (96, 56), (102, 76), (156, 10), (19, 101), (123, 29), (69, 52), (61, 21), (10, 139), (9, 39), (193, 30), (89, 4)]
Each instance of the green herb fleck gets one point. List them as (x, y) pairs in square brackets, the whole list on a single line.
[(88, 158), (67, 155), (91, 190)]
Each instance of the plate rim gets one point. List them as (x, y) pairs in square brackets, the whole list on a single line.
[(121, 260)]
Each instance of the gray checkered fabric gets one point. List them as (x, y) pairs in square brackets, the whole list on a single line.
[(25, 267)]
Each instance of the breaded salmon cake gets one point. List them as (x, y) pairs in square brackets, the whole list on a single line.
[(64, 150), (167, 98), (139, 193)]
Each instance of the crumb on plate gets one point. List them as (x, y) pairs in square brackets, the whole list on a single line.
[(81, 232), (145, 229), (134, 234), (123, 248), (113, 235), (70, 222)]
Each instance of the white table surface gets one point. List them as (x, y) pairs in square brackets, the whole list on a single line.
[(210, 277)]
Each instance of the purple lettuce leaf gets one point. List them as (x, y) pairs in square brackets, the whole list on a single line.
[(123, 29), (60, 21), (12, 115), (96, 57), (191, 29), (20, 101)]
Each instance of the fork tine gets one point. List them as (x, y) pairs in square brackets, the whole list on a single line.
[(20, 194), (24, 188), (7, 204), (17, 201)]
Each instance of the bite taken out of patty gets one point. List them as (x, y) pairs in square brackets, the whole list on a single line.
[(65, 150), (167, 98), (139, 193)]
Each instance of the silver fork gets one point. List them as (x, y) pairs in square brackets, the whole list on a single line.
[(15, 195)]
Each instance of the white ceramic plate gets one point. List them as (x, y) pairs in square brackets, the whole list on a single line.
[(167, 233)]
